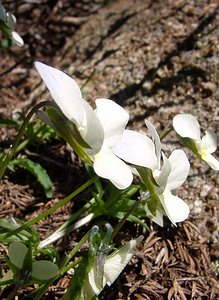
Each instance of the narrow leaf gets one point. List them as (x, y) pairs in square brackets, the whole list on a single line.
[(37, 170)]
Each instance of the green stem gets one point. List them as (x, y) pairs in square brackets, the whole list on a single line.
[(13, 293), (131, 210), (53, 208), (164, 133), (12, 151), (72, 265), (73, 252)]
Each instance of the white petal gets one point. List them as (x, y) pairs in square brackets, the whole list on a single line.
[(186, 125), (158, 219), (96, 286), (109, 166), (115, 263), (92, 132), (179, 169), (67, 96), (17, 38), (113, 118), (64, 91), (175, 208), (211, 161), (209, 141), (161, 176), (137, 149), (156, 140)]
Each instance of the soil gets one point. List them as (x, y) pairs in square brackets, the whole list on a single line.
[(156, 59)]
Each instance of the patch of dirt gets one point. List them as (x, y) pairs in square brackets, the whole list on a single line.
[(155, 58)]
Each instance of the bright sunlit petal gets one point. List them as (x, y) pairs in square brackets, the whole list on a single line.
[(161, 176), (137, 149), (109, 166), (209, 141), (64, 91), (92, 132), (68, 97), (156, 140), (211, 161), (113, 118), (186, 125), (175, 208), (94, 283), (179, 169), (115, 263)]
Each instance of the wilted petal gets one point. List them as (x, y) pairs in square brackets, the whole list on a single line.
[(209, 141), (156, 140), (186, 125), (137, 149), (109, 166), (113, 118), (210, 160), (175, 208), (115, 263), (179, 169)]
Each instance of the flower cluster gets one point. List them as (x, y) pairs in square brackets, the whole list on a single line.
[(117, 153)]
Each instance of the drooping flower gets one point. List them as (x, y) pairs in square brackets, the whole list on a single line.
[(146, 153), (100, 129), (113, 266), (188, 127)]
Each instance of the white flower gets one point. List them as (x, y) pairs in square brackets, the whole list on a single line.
[(145, 152), (113, 266), (101, 129), (172, 175), (187, 126)]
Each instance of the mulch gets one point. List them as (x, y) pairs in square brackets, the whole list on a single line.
[(171, 263)]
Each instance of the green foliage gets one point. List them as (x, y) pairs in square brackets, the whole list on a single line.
[(43, 271), (35, 132), (36, 169), (29, 235), (21, 262), (76, 282)]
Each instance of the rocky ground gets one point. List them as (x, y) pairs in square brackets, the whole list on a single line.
[(155, 58)]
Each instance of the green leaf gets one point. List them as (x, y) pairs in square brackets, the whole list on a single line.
[(17, 253), (8, 122), (37, 170), (30, 234), (7, 278), (77, 282), (44, 270)]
